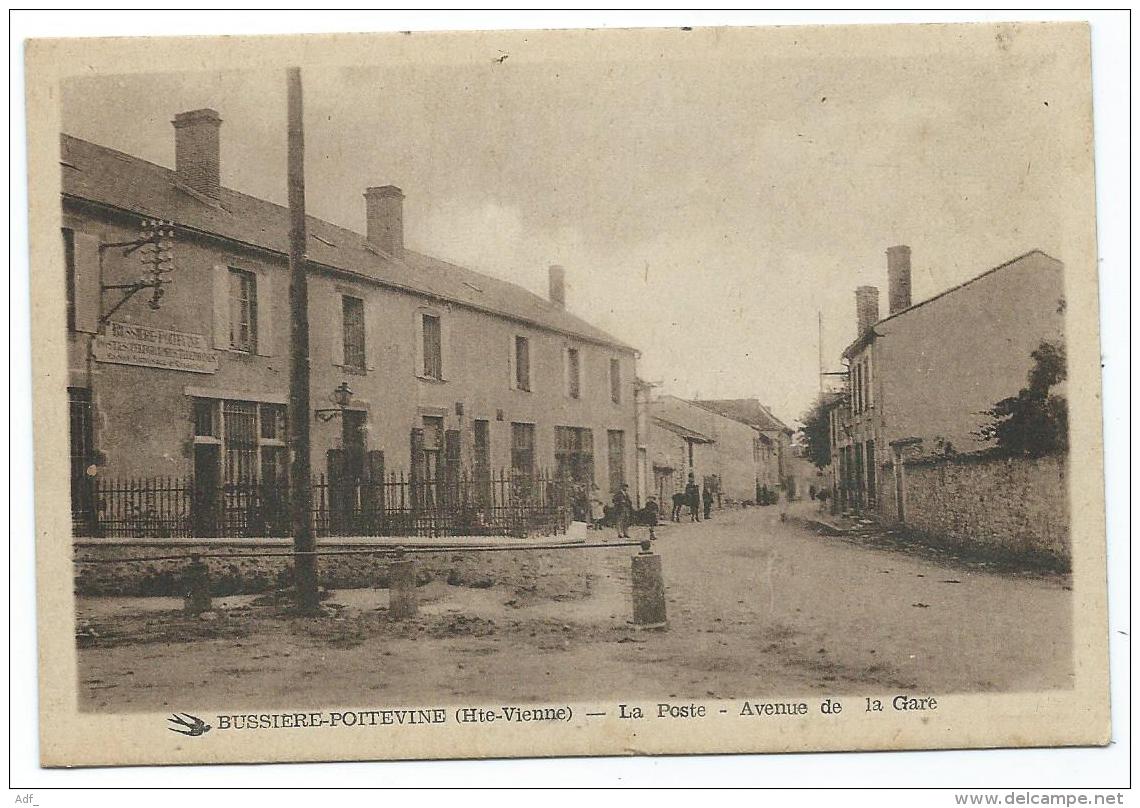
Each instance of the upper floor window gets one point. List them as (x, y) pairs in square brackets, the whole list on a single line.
[(615, 381), (352, 309), (432, 346), (243, 311), (573, 373), (522, 363)]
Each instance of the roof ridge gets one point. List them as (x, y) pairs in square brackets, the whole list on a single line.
[(577, 326)]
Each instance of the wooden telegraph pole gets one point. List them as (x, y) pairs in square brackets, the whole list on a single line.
[(300, 477)]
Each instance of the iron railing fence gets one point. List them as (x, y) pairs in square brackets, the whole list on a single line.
[(494, 504)]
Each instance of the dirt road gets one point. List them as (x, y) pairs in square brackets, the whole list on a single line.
[(756, 607)]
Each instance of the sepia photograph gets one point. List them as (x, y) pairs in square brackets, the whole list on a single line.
[(569, 392)]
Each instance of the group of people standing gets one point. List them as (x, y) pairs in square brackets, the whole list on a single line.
[(622, 514), (693, 498)]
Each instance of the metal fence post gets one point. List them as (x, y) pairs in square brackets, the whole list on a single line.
[(402, 586), (648, 589), (197, 598)]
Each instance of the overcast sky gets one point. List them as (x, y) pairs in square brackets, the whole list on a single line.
[(705, 206)]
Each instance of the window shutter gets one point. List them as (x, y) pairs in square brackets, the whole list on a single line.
[(338, 333), (565, 371), (445, 358), (371, 337), (266, 309), (88, 283), (222, 307), (511, 385), (418, 353)]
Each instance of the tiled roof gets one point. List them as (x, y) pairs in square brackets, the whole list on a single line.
[(746, 410), (98, 174)]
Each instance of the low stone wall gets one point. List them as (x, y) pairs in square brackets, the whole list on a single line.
[(254, 566), (1013, 507)]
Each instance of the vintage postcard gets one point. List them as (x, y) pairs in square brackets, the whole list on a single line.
[(586, 392)]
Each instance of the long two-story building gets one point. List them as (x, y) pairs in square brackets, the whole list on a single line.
[(450, 370)]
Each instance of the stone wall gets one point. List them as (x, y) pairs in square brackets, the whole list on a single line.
[(122, 568), (1015, 507)]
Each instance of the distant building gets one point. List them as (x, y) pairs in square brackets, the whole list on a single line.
[(734, 447), (450, 370), (919, 379)]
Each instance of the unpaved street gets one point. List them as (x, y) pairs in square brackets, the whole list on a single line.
[(756, 607)]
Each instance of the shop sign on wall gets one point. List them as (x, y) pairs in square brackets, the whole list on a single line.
[(130, 344)]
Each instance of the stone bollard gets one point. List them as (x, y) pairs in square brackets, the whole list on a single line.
[(197, 599), (402, 586), (648, 589)]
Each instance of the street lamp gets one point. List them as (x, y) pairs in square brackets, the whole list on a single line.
[(342, 397)]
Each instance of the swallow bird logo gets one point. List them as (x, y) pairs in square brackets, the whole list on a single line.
[(186, 724)]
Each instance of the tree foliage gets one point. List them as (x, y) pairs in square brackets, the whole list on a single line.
[(816, 429), (1034, 422)]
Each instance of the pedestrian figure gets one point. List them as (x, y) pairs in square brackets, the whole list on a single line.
[(708, 500), (679, 501), (623, 511), (693, 499)]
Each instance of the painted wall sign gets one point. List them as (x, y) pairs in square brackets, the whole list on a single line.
[(130, 344)]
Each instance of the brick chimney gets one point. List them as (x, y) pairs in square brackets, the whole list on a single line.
[(898, 277), (558, 286), (385, 211), (866, 307), (197, 148)]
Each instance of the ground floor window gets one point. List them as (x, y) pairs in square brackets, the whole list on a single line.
[(248, 439), (522, 449), (574, 454), (870, 455)]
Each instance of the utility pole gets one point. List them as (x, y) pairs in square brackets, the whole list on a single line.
[(819, 315), (300, 477)]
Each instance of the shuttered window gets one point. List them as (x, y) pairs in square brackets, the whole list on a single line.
[(522, 363), (433, 347), (573, 373), (243, 311), (352, 309), (615, 381)]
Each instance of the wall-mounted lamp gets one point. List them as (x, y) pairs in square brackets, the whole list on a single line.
[(342, 397)]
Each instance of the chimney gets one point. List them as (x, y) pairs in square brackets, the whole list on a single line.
[(558, 286), (866, 307), (385, 210), (898, 277), (197, 151)]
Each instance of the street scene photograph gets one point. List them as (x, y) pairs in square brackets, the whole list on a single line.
[(721, 378)]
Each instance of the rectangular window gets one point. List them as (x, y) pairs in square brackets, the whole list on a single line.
[(573, 373), (241, 445), (243, 311), (273, 426), (69, 264), (432, 457), (352, 310), (522, 363), (522, 449), (433, 347), (616, 439), (615, 381), (240, 441), (574, 453)]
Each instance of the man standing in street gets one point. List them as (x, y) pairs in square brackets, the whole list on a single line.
[(708, 501), (623, 511)]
